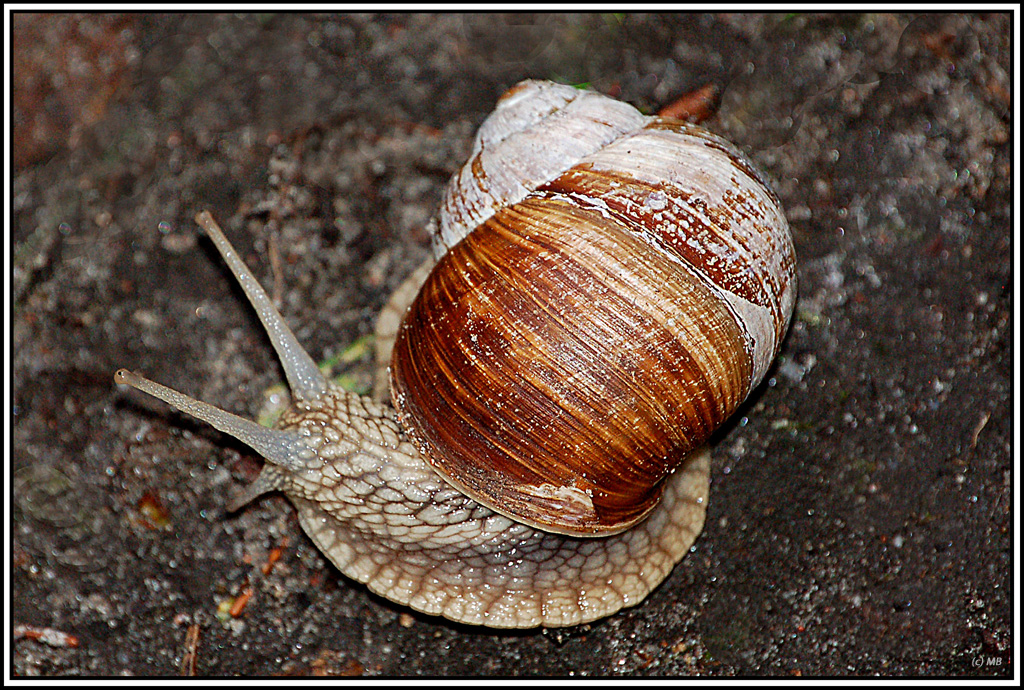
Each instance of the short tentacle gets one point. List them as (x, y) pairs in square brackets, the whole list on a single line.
[(270, 479)]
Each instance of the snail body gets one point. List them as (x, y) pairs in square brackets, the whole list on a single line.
[(608, 288)]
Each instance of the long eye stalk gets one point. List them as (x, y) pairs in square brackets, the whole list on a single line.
[(304, 377), (280, 447), (285, 449)]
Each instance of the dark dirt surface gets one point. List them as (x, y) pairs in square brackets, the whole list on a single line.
[(861, 507)]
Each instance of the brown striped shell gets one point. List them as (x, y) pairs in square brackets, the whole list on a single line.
[(610, 287)]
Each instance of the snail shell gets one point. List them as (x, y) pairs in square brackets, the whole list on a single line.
[(610, 288), (585, 328)]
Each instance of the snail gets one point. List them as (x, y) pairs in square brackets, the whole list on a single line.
[(606, 288)]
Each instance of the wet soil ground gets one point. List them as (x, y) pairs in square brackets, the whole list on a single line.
[(861, 514)]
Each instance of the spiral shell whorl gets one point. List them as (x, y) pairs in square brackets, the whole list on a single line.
[(549, 127), (605, 314), (693, 196)]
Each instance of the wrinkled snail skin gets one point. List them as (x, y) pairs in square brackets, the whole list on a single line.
[(600, 321)]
